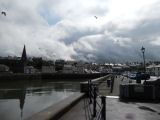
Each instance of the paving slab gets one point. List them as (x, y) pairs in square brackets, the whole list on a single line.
[(118, 110)]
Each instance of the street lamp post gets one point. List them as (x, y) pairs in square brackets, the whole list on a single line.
[(143, 50)]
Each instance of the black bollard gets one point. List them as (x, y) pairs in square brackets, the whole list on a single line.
[(138, 77), (112, 83), (108, 83)]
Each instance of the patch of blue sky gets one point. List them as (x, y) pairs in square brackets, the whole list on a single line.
[(51, 19)]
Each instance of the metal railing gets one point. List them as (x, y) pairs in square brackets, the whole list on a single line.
[(95, 105)]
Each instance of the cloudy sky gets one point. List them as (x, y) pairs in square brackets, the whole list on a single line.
[(68, 29)]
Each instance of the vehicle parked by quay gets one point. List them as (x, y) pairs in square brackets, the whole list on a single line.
[(145, 76), (152, 82), (132, 76), (142, 76), (126, 74)]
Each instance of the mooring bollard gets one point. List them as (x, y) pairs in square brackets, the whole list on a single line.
[(103, 102), (108, 83)]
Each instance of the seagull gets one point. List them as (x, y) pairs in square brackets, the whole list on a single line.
[(96, 17), (3, 13)]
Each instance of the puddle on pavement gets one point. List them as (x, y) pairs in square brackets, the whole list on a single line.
[(147, 108), (130, 116)]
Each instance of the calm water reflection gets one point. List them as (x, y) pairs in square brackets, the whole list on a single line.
[(21, 99)]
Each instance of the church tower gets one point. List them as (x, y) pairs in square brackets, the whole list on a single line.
[(24, 55)]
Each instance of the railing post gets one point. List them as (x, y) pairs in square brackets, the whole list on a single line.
[(112, 84), (89, 91), (103, 102), (94, 101)]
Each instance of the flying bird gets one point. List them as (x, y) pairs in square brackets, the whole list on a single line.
[(96, 17), (3, 13)]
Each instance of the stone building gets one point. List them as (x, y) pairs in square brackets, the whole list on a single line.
[(15, 64)]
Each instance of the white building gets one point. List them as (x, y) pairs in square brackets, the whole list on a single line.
[(78, 68), (30, 70), (153, 70), (67, 69), (48, 69), (4, 68)]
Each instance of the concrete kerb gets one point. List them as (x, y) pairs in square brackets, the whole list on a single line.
[(84, 85), (57, 110)]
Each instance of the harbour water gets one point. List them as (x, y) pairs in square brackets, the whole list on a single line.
[(22, 99)]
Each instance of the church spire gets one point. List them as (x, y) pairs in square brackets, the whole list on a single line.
[(24, 55)]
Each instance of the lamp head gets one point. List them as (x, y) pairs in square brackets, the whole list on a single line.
[(143, 49)]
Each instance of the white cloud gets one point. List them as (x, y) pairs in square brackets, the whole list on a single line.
[(156, 42), (67, 28)]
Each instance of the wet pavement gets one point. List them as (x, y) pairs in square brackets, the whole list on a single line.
[(116, 109)]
